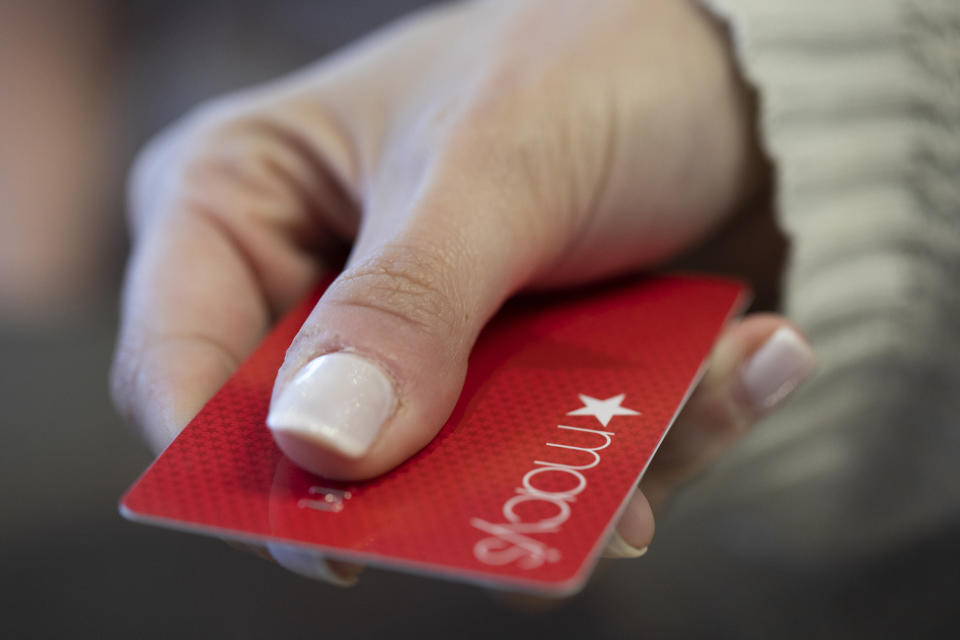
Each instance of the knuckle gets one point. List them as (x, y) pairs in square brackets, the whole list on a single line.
[(721, 416), (188, 153), (411, 283)]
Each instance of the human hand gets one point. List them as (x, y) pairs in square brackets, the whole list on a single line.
[(467, 153)]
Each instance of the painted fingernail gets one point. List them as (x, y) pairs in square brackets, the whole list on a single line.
[(309, 565), (618, 548), (338, 401), (776, 368)]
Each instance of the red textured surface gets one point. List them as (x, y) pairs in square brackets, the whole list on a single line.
[(646, 339)]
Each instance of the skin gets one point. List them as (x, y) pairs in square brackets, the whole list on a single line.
[(465, 154)]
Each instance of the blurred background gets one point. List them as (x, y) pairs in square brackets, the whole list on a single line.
[(82, 85)]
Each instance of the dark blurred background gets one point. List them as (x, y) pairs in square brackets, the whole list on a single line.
[(82, 85)]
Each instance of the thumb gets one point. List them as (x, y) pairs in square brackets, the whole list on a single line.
[(379, 364)]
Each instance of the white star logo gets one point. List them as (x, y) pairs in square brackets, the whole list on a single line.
[(603, 410)]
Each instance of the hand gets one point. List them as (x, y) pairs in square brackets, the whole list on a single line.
[(467, 153)]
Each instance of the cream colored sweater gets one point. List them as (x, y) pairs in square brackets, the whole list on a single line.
[(860, 104)]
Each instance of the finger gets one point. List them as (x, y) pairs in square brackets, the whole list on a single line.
[(219, 249), (191, 312), (314, 565), (634, 530), (755, 365), (308, 564), (380, 362)]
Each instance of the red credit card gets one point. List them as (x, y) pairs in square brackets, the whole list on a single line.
[(567, 397)]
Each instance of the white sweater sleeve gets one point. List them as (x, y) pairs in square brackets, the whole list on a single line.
[(860, 112)]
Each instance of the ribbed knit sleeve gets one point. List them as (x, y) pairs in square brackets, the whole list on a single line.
[(860, 113)]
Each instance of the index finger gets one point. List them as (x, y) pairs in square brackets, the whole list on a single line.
[(219, 248)]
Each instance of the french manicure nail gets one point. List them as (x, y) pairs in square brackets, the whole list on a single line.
[(308, 564), (618, 548), (777, 367), (339, 400)]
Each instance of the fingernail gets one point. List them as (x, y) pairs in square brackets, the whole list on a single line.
[(617, 547), (309, 565), (340, 401), (777, 367)]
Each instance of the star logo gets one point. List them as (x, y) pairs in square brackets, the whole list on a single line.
[(603, 410)]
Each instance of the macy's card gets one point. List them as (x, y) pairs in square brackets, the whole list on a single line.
[(567, 398)]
